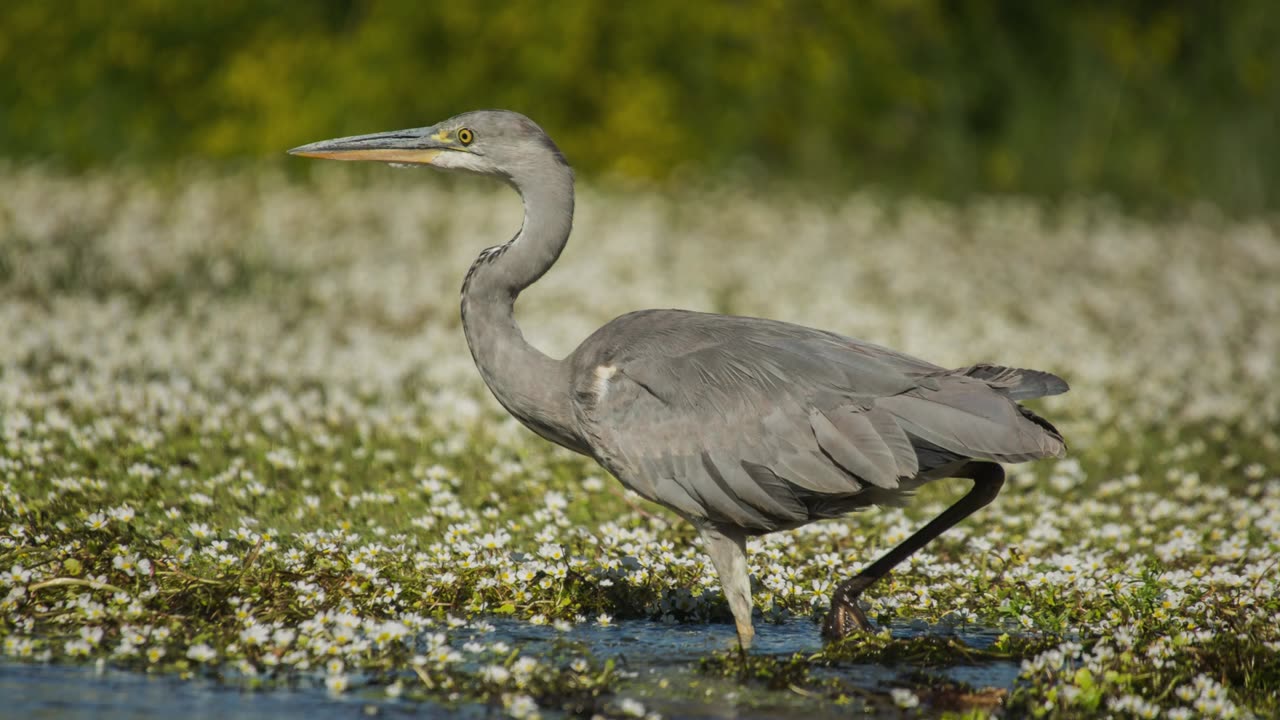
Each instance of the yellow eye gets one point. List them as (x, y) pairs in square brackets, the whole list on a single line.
[(465, 136)]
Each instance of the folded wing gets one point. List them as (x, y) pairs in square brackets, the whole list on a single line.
[(763, 425)]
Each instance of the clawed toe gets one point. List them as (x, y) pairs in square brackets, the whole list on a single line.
[(845, 617), (843, 620)]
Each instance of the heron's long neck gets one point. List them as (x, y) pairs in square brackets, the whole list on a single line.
[(532, 386)]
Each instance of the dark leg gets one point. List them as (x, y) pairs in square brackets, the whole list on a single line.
[(845, 615)]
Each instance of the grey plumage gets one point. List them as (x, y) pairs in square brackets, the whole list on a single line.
[(695, 397), (741, 425)]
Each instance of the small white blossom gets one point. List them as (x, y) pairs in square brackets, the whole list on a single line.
[(201, 653)]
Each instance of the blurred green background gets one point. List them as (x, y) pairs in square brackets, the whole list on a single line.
[(1156, 103)]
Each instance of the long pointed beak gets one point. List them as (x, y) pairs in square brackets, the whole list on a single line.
[(417, 146)]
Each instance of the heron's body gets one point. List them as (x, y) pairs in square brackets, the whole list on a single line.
[(761, 425), (743, 426)]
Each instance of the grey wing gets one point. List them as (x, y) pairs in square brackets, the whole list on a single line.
[(761, 471), (763, 425)]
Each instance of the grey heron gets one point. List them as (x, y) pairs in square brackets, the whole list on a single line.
[(743, 426)]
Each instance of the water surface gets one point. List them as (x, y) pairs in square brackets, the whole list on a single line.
[(659, 662)]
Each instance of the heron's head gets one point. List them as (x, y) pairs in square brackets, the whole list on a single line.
[(489, 142)]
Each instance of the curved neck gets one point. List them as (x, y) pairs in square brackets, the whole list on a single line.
[(531, 386)]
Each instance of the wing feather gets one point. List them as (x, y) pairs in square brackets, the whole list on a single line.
[(905, 454), (855, 445), (967, 418), (762, 425), (756, 490), (1016, 383)]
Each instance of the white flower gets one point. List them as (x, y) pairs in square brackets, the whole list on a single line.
[(77, 648), (521, 707), (91, 635), (524, 667), (631, 707), (551, 551), (256, 634), (444, 655), (21, 647), (904, 698), (201, 653), (495, 674), (17, 575), (125, 563), (336, 684)]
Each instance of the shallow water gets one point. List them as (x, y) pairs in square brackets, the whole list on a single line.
[(659, 661)]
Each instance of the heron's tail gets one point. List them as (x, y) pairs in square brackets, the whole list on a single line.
[(1016, 383)]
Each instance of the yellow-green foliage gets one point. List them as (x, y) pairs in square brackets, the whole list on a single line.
[(1159, 104)]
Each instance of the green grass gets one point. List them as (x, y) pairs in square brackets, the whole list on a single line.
[(245, 441)]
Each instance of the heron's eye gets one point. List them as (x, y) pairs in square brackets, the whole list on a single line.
[(465, 136)]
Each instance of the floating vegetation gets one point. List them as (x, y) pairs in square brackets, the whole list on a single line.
[(241, 439)]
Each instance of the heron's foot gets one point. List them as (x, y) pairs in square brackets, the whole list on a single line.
[(845, 617), (844, 620)]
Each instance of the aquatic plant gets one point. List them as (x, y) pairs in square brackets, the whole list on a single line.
[(240, 437)]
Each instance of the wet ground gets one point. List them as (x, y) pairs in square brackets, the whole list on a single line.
[(659, 665)]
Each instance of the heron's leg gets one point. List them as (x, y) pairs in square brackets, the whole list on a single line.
[(728, 551), (845, 614)]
